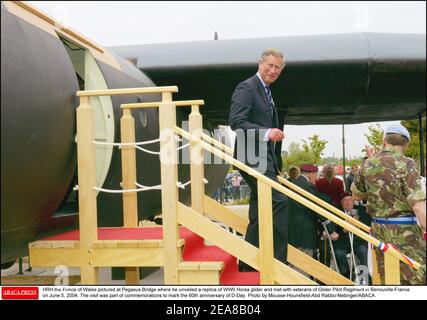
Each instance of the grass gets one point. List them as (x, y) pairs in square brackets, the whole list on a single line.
[(242, 201)]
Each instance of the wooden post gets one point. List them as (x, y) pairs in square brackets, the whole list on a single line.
[(169, 178), (391, 269), (376, 279), (197, 161), (266, 245), (86, 161), (130, 202)]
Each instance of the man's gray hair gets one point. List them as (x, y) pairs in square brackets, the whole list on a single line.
[(272, 52)]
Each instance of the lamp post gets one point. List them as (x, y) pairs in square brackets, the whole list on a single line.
[(421, 137), (343, 154)]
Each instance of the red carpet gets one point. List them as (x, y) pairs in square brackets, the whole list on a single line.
[(194, 250)]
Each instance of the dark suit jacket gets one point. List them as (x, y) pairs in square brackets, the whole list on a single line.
[(250, 109), (302, 220)]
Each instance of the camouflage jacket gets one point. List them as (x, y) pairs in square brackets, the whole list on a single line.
[(390, 183)]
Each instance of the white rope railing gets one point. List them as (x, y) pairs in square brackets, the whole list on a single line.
[(148, 151), (141, 187), (183, 185), (158, 152), (136, 145), (117, 191), (128, 144), (146, 188), (183, 146)]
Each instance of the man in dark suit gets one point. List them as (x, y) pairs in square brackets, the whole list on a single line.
[(254, 117), (303, 222)]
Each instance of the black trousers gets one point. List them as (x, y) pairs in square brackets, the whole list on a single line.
[(280, 218)]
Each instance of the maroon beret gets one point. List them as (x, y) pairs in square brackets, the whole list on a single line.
[(309, 168), (344, 194)]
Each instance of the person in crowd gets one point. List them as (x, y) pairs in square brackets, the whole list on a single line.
[(254, 118), (350, 177), (303, 222), (348, 243), (330, 185), (391, 185), (235, 183), (293, 173)]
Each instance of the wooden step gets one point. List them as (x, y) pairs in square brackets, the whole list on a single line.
[(102, 244), (46, 244), (104, 253), (200, 272), (133, 243)]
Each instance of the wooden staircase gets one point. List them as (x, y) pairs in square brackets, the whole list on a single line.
[(173, 246), (126, 247)]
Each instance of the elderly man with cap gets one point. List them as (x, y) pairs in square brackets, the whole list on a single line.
[(347, 242), (391, 184), (303, 221)]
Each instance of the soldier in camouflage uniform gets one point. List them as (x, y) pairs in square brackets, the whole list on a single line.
[(391, 184)]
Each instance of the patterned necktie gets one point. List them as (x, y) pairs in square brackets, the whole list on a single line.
[(270, 98)]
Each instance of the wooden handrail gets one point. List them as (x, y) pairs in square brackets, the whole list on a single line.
[(324, 204), (236, 246), (183, 103), (295, 196), (290, 185), (116, 92), (217, 144), (318, 270)]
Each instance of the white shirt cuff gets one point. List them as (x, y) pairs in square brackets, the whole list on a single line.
[(266, 135)]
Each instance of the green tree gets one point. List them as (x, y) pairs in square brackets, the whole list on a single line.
[(375, 137), (414, 145), (328, 160), (315, 146), (297, 156), (357, 161)]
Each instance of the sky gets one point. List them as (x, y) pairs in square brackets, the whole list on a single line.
[(123, 23)]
